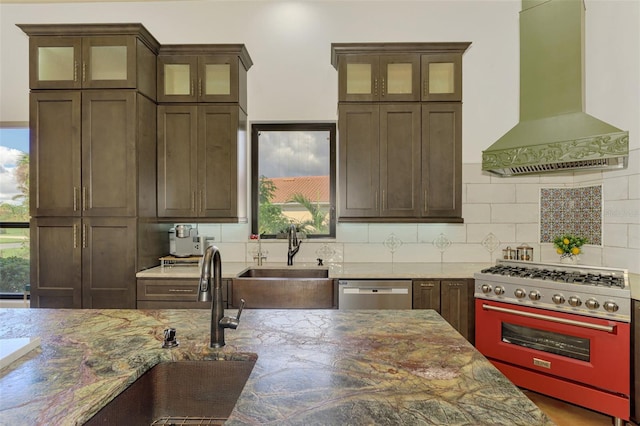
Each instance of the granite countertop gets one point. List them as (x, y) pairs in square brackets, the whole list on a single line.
[(313, 367), (336, 270)]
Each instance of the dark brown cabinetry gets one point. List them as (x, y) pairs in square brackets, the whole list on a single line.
[(453, 299), (98, 56), (93, 171), (203, 73), (174, 293), (200, 150), (380, 164), (635, 361), (201, 154), (400, 144)]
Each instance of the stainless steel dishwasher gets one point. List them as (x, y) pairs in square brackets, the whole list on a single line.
[(374, 294)]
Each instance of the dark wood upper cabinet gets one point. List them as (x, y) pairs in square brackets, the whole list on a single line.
[(102, 56), (400, 144), (203, 73)]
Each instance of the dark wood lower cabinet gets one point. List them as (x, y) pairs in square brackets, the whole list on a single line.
[(452, 299), (174, 293)]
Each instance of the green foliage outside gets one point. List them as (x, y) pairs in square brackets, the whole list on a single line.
[(14, 243), (271, 219)]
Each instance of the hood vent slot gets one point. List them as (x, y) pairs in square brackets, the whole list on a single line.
[(618, 162)]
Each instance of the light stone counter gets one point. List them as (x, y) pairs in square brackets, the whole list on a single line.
[(313, 367), (336, 270)]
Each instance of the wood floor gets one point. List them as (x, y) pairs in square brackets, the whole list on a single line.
[(565, 414)]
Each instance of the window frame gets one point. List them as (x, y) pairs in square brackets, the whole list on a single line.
[(256, 128)]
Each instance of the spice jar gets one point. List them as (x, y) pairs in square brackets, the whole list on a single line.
[(524, 252), (509, 253)]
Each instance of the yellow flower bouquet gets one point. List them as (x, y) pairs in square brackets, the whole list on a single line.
[(568, 244)]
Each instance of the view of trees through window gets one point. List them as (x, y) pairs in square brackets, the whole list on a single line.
[(293, 171), (14, 209)]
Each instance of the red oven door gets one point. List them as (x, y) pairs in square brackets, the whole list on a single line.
[(581, 349)]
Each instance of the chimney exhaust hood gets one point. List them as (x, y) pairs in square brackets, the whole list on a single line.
[(554, 132)]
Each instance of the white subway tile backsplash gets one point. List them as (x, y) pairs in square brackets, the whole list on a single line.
[(616, 188), (478, 232), (456, 232), (515, 213), (508, 208), (476, 213), (407, 233), (615, 234), (490, 193)]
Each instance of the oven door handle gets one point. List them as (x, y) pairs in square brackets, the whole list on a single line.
[(607, 328)]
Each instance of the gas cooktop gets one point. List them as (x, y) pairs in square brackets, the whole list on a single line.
[(586, 290)]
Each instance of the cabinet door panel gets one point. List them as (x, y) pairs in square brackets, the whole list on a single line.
[(442, 77), (218, 78), (442, 160), (177, 77), (55, 62), (109, 62), (218, 157), (55, 154), (56, 277), (177, 160), (426, 294), (109, 153), (358, 78), (399, 78), (109, 263), (456, 306), (359, 166), (400, 159)]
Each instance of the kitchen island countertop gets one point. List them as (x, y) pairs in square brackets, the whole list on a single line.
[(313, 367)]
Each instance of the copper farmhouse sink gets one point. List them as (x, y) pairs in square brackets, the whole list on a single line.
[(179, 392)]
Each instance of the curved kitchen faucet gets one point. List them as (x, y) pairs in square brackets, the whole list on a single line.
[(208, 281), (294, 244)]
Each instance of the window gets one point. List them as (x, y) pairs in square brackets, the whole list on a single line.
[(14, 209), (293, 176)]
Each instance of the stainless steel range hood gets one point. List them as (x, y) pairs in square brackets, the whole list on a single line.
[(554, 132)]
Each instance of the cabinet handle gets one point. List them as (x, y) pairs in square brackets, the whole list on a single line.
[(84, 198), (191, 89), (75, 236), (180, 290), (75, 71), (425, 88), (384, 199), (84, 71), (375, 201), (199, 87), (200, 201), (84, 236), (193, 201), (426, 285), (75, 198), (375, 87), (383, 92), (425, 200)]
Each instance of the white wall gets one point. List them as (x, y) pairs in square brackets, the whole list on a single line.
[(292, 79)]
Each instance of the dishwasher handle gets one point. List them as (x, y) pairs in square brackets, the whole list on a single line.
[(375, 290)]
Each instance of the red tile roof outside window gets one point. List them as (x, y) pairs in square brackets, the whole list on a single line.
[(314, 188)]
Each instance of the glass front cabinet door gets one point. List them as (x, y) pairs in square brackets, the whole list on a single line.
[(442, 77), (82, 62), (183, 78), (379, 78)]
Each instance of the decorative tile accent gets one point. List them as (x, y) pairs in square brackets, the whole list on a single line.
[(571, 211), (442, 243), (392, 243), (325, 252), (490, 242)]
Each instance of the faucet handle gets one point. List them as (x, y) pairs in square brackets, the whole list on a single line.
[(230, 322), (169, 338)]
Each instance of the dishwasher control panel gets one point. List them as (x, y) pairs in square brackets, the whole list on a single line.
[(374, 294)]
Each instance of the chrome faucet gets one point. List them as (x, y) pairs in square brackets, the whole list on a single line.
[(208, 281), (294, 244)]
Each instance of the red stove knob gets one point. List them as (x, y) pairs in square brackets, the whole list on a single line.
[(486, 288), (520, 293), (610, 306), (534, 295), (499, 290), (592, 304), (558, 299), (575, 301)]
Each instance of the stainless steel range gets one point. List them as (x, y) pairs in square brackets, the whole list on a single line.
[(561, 330), (585, 290)]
